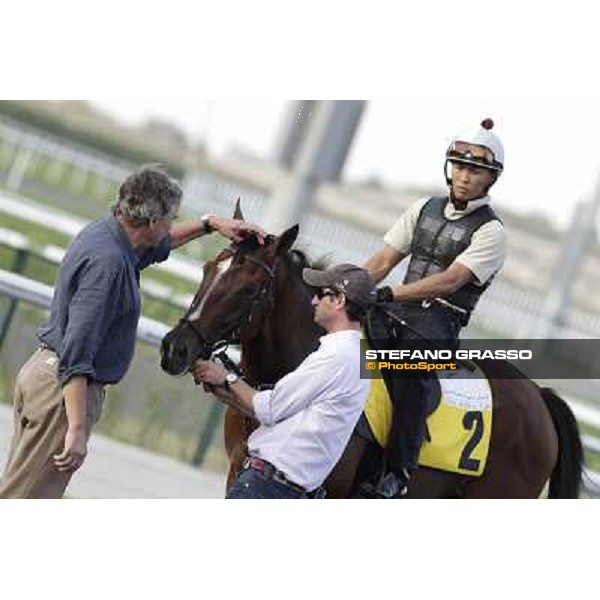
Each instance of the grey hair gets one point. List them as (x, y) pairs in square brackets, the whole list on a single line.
[(147, 195)]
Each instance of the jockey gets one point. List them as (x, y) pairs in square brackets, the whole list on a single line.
[(456, 245)]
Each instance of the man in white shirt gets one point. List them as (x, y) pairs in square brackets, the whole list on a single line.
[(457, 245), (306, 420)]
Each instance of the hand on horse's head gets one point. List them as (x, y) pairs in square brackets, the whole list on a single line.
[(238, 230)]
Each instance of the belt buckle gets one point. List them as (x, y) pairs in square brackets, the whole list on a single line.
[(317, 494), (281, 478)]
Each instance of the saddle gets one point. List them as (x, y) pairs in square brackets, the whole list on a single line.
[(459, 409)]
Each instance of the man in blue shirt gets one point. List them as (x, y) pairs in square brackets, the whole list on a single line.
[(89, 338)]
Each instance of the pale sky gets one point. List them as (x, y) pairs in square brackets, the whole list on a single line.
[(551, 153), (433, 68)]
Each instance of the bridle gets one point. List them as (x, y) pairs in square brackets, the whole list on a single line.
[(257, 300)]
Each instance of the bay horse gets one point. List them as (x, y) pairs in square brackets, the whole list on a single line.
[(254, 295)]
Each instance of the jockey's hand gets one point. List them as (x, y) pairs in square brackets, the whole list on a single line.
[(384, 294), (207, 371), (237, 230)]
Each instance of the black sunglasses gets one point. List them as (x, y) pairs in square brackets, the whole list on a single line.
[(320, 293)]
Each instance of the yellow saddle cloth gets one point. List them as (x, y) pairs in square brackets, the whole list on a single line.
[(460, 427)]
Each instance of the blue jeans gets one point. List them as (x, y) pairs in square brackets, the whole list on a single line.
[(252, 484)]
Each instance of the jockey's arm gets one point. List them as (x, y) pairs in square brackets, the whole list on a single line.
[(438, 284), (382, 262)]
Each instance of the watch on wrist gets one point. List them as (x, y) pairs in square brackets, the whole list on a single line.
[(207, 227), (230, 379)]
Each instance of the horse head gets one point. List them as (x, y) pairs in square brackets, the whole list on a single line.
[(232, 302)]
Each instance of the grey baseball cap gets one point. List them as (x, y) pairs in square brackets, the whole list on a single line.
[(352, 281)]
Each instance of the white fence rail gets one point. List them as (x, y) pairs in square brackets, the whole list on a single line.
[(151, 331), (54, 254), (40, 295), (502, 310), (45, 216), (503, 306), (27, 144)]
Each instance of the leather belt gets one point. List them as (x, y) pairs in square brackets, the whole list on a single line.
[(271, 472)]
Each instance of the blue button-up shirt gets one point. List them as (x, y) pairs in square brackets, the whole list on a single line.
[(96, 304)]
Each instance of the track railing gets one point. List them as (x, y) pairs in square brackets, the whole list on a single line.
[(151, 332)]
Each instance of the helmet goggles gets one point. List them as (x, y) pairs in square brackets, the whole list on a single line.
[(469, 154)]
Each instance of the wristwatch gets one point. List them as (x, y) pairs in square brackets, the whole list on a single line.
[(205, 220), (230, 379)]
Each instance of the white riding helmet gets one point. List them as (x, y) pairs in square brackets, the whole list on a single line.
[(480, 136)]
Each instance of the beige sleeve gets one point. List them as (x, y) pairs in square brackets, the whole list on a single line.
[(486, 252), (400, 235)]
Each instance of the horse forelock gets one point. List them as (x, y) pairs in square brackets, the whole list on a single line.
[(250, 243)]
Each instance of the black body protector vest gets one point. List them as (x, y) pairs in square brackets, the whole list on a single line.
[(437, 241)]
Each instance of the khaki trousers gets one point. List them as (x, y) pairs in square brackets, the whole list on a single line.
[(40, 429)]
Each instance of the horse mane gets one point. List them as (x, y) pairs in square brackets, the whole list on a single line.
[(297, 259)]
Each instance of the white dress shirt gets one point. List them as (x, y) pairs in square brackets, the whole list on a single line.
[(484, 255), (306, 420)]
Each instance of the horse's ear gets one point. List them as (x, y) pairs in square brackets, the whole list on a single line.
[(237, 213), (286, 239)]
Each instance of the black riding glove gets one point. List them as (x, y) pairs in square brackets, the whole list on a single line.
[(385, 294)]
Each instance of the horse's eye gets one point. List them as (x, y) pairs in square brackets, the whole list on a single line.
[(247, 291)]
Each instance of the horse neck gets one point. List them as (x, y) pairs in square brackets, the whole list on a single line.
[(287, 336)]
